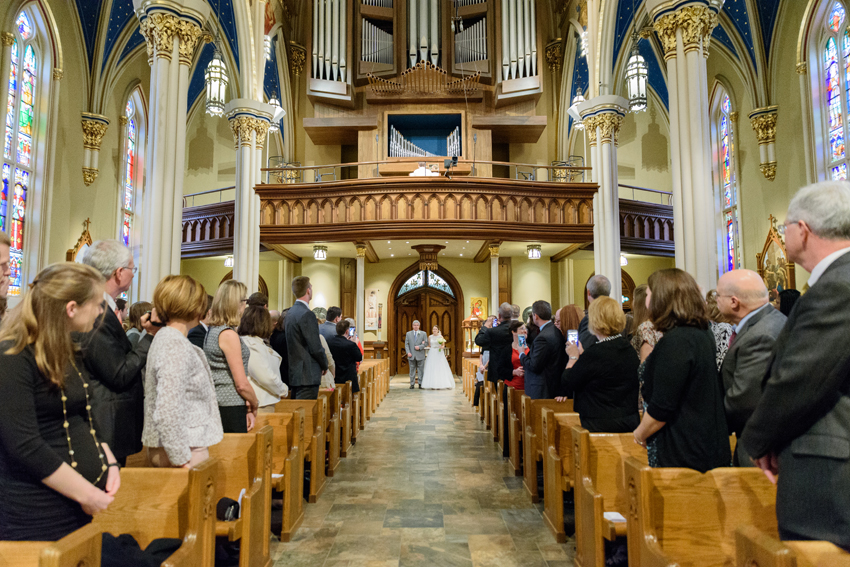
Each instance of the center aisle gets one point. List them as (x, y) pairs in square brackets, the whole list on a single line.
[(425, 485)]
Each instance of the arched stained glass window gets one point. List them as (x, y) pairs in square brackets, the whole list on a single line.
[(129, 185), (19, 128), (425, 278), (726, 184), (835, 66)]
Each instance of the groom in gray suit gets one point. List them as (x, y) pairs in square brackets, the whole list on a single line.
[(414, 346)]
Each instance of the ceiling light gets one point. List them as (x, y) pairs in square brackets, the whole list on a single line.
[(389, 242), (274, 126), (461, 253), (534, 252), (392, 255), (623, 260), (215, 78), (636, 78), (320, 252), (228, 262), (267, 47)]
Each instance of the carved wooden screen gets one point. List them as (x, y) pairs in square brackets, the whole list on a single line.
[(773, 264)]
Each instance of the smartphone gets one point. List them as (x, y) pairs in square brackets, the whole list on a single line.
[(351, 331), (572, 336), (522, 341)]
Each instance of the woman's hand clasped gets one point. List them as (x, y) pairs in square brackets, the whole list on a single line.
[(96, 500), (113, 481)]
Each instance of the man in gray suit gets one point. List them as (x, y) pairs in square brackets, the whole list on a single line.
[(328, 328), (414, 345), (800, 429), (306, 356), (743, 299)]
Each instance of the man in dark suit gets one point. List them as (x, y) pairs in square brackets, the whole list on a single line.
[(743, 299), (198, 333), (328, 328), (597, 286), (498, 341), (117, 391), (545, 364), (800, 429), (307, 360), (346, 355)]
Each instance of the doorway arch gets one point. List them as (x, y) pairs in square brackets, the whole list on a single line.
[(395, 335)]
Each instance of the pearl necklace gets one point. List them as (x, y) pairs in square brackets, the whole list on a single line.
[(611, 338), (66, 425)]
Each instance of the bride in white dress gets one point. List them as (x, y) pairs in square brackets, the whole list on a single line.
[(438, 374)]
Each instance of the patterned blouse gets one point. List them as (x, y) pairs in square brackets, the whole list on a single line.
[(722, 334), (645, 334), (225, 388)]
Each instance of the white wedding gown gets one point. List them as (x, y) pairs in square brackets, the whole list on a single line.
[(438, 375)]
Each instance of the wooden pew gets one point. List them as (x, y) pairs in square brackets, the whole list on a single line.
[(345, 418), (287, 466), (245, 462), (373, 390), (558, 476), (482, 402), (356, 410), (515, 429), (754, 547), (599, 486), (312, 439), (495, 404), (532, 427), (79, 548), (501, 391), (680, 516), (332, 432)]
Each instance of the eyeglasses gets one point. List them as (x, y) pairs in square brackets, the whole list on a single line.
[(781, 228), (133, 269), (244, 300)]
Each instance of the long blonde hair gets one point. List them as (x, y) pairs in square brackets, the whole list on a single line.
[(40, 319), (226, 303)]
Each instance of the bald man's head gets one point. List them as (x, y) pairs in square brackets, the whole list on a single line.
[(740, 292)]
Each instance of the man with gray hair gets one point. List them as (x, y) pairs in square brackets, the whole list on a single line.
[(597, 286), (414, 345), (800, 429), (515, 311), (498, 341), (115, 366), (742, 298)]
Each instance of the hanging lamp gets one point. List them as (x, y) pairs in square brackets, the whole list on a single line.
[(216, 79), (267, 47), (273, 126)]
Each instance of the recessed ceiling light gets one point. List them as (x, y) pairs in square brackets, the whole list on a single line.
[(389, 242), (389, 248), (467, 241), (461, 253), (463, 248), (391, 255), (408, 242)]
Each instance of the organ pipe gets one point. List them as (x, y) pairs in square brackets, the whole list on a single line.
[(424, 31), (343, 43), (471, 43), (506, 57), (335, 39), (519, 39), (512, 36), (527, 37), (532, 37), (315, 35), (329, 39), (435, 49), (376, 45), (402, 147)]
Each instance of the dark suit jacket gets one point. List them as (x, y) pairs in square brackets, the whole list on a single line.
[(278, 342), (328, 330), (745, 365), (498, 341), (346, 356), (804, 412), (117, 388), (585, 337), (544, 363), (197, 336), (306, 356)]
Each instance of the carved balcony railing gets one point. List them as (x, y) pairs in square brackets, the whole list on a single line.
[(207, 230), (646, 228)]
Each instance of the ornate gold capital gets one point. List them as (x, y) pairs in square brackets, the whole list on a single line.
[(7, 39), (242, 128), (733, 116), (591, 123), (58, 74), (554, 55), (494, 250), (89, 175), (123, 120), (802, 68), (93, 131), (361, 250), (189, 33), (159, 34), (609, 127), (768, 170), (297, 58), (696, 23), (262, 128), (764, 125)]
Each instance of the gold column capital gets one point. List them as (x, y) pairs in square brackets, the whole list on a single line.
[(242, 128), (58, 74), (297, 58), (189, 33), (554, 55), (609, 127), (361, 250), (802, 68), (763, 121), (733, 116), (123, 120), (7, 39), (94, 127), (494, 250), (696, 23), (89, 175), (591, 123), (768, 170)]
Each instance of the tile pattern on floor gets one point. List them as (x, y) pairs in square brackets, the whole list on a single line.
[(425, 485)]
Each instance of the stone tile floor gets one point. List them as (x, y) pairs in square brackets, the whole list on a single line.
[(424, 486)]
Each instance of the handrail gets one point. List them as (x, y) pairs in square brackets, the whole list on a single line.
[(647, 190), (208, 192), (426, 160)]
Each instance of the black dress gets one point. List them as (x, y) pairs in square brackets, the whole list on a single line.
[(278, 344), (682, 389), (33, 446), (604, 384), (346, 356)]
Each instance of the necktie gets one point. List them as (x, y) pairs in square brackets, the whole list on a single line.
[(732, 338)]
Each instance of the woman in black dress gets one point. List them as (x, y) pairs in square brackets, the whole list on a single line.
[(684, 419), (603, 379), (54, 472)]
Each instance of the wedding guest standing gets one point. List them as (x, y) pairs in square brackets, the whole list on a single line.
[(544, 365), (346, 354), (137, 311), (497, 340), (199, 332), (181, 412), (255, 327), (278, 342), (597, 286), (53, 478), (307, 360), (720, 328)]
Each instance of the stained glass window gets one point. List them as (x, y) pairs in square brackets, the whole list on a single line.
[(19, 129), (425, 278), (730, 256), (417, 280), (835, 79), (437, 282), (128, 188)]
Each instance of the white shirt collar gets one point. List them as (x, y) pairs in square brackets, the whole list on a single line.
[(110, 301), (821, 266), (544, 324), (304, 302), (204, 325), (747, 317)]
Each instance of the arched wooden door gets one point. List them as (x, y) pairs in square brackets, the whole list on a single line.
[(430, 307)]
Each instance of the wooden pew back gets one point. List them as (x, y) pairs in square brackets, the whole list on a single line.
[(532, 426), (288, 461), (345, 417), (557, 447), (756, 548), (80, 548), (500, 411), (312, 438), (515, 424), (682, 516)]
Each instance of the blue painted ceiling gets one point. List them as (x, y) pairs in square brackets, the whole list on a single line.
[(196, 85), (580, 79), (271, 83), (89, 12), (655, 77), (719, 35), (121, 14), (768, 10)]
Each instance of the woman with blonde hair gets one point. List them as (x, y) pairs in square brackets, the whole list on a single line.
[(228, 359), (55, 471), (136, 332), (181, 411)]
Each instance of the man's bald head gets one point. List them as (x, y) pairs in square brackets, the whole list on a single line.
[(740, 292)]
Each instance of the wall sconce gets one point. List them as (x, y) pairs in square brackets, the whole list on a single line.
[(534, 252), (320, 252), (228, 262), (267, 47)]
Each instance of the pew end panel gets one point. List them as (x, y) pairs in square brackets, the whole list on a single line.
[(755, 547), (313, 439), (500, 404), (495, 401), (515, 425), (557, 457), (532, 421), (80, 548), (332, 431), (345, 418)]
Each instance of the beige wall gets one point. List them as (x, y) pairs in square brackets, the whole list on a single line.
[(324, 275), (531, 280), (639, 269), (210, 157)]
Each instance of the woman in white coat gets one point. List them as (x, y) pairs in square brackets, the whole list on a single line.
[(255, 327)]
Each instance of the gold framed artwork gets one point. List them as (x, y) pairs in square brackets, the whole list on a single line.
[(75, 254), (478, 307), (773, 264), (372, 313)]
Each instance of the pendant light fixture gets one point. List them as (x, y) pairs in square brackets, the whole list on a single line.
[(216, 79), (636, 72), (274, 126), (533, 251), (267, 47), (320, 252)]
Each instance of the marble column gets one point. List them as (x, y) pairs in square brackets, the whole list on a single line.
[(494, 279), (171, 29), (685, 34), (249, 121), (360, 300), (602, 117)]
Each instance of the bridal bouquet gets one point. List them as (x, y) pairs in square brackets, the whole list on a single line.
[(441, 341)]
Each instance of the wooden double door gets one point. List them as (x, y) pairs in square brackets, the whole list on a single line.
[(430, 308)]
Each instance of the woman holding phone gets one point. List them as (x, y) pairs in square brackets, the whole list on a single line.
[(519, 345), (346, 355)]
